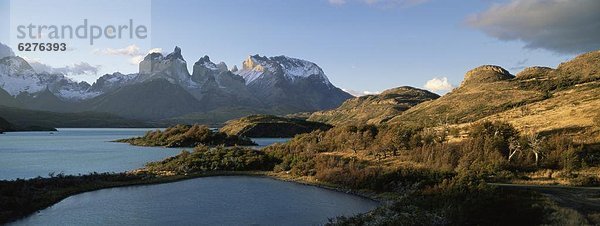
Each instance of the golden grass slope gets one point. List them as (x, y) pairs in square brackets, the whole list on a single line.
[(469, 103), (374, 109), (538, 99)]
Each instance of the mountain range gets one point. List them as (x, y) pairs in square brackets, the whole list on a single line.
[(164, 89)]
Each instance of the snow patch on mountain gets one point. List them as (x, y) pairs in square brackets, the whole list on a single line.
[(17, 76), (256, 67)]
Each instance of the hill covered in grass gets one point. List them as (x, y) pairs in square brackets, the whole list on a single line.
[(374, 109), (536, 100), (271, 126)]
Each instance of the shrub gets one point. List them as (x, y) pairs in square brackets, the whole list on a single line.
[(215, 159), (187, 136)]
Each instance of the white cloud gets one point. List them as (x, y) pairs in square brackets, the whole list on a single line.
[(81, 68), (438, 84), (360, 93), (132, 51), (5, 51), (562, 26), (136, 60)]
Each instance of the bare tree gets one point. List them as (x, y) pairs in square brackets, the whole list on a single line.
[(535, 146), (514, 147), (444, 128)]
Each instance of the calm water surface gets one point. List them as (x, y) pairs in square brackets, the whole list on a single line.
[(77, 151), (233, 200)]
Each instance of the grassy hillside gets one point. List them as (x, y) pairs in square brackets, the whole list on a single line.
[(575, 110), (271, 126), (374, 109), (537, 100), (479, 96)]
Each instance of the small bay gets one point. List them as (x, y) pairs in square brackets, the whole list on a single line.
[(223, 200)]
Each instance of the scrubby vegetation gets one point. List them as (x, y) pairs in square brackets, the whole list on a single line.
[(441, 181), (203, 159), (492, 150), (187, 136)]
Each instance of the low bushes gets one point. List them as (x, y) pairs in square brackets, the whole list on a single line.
[(214, 159), (187, 136)]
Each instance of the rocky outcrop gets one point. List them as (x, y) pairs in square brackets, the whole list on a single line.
[(486, 73), (172, 67)]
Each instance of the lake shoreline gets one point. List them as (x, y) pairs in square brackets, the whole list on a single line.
[(158, 179)]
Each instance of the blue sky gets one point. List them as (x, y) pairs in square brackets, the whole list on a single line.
[(362, 45)]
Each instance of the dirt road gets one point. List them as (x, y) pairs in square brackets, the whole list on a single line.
[(584, 199)]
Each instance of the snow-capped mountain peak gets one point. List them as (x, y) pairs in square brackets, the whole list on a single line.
[(176, 54), (205, 62), (15, 65), (255, 67), (297, 68), (17, 76), (113, 81)]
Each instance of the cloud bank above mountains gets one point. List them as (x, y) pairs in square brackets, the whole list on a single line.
[(81, 68), (561, 26), (135, 54)]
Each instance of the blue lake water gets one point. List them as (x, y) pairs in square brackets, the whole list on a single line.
[(78, 151), (232, 200)]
